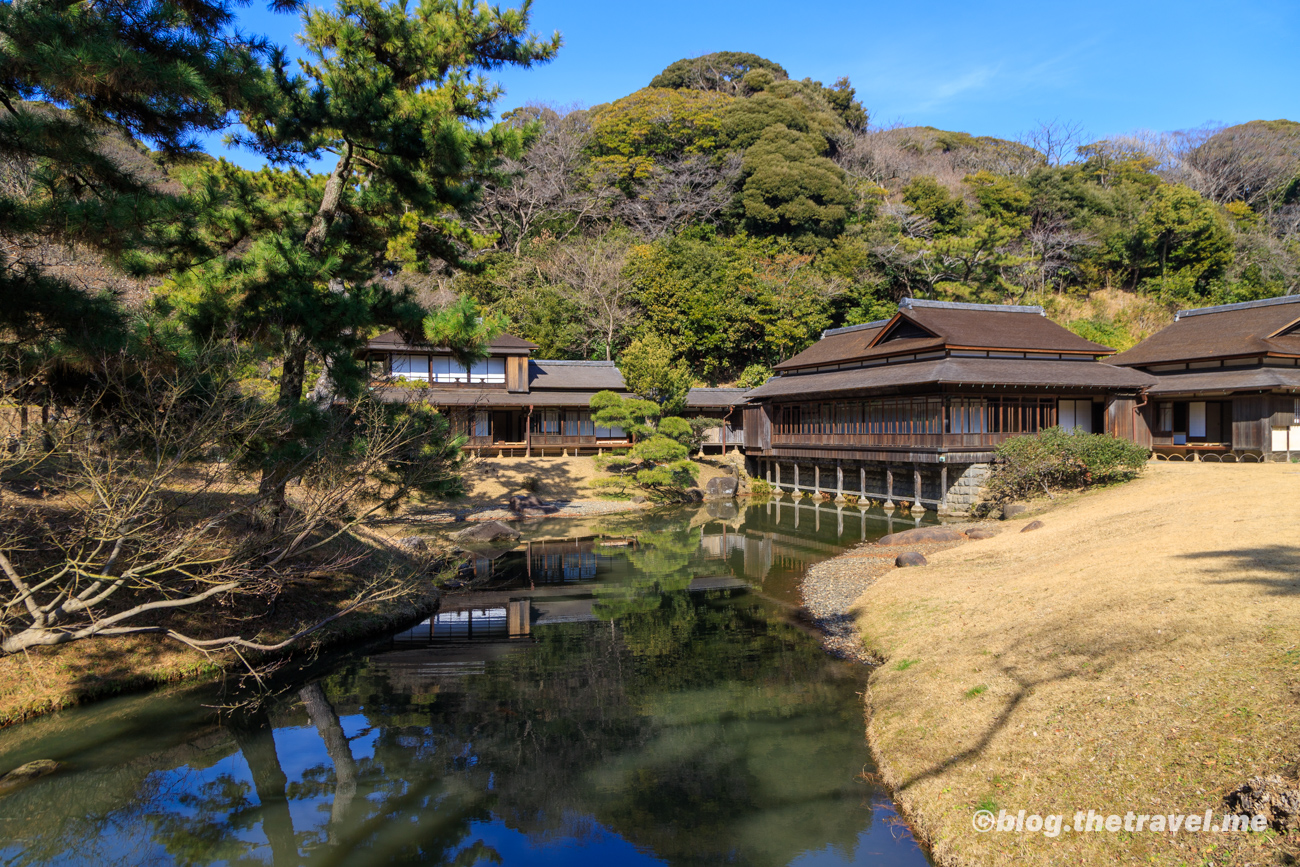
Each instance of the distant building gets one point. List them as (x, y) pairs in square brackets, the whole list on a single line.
[(510, 403), (1225, 381), (910, 409)]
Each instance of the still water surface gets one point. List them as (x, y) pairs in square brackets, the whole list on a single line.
[(632, 690)]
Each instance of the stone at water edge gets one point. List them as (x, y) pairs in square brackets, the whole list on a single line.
[(489, 531), (911, 558), (923, 534), (982, 532), (24, 774), (639, 499), (1032, 525), (1010, 510), (721, 488), (414, 544), (519, 502), (694, 495)]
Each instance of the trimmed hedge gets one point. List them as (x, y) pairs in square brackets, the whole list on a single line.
[(1056, 459)]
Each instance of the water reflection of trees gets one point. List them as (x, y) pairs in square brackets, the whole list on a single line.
[(697, 727)]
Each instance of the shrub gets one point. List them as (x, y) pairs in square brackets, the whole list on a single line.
[(760, 488), (1056, 459)]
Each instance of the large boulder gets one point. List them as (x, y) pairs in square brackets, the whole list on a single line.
[(721, 488), (1010, 510), (1031, 526), (489, 532), (414, 544), (982, 532), (911, 558), (924, 534), (528, 506), (693, 495)]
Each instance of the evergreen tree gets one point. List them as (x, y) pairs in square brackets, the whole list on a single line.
[(391, 94), (95, 100)]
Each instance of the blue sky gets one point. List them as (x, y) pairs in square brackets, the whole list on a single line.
[(988, 68)]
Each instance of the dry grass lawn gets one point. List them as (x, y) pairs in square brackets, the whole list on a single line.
[(490, 481), (1139, 652)]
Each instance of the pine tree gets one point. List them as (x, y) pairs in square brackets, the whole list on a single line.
[(94, 99), (395, 96)]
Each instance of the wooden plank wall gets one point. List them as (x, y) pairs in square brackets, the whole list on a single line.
[(1251, 415), (757, 428), (517, 374), (1126, 420)]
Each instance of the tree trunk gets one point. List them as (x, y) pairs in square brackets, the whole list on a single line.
[(258, 747), (322, 715), (275, 476)]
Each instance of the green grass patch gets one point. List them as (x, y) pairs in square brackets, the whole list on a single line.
[(976, 691)]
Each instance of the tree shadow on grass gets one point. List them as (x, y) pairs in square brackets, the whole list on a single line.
[(1279, 565)]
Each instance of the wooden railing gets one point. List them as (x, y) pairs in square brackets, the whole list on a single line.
[(892, 440), (550, 440)]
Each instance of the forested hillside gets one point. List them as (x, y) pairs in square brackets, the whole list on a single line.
[(728, 213)]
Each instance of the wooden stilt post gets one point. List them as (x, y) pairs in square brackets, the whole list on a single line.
[(916, 484), (862, 485), (943, 488), (817, 480), (889, 489), (796, 483), (839, 483), (777, 483)]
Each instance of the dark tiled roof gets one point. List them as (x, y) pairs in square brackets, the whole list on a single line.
[(483, 397), (1002, 327), (978, 326), (1218, 332), (1226, 380), (547, 375), (699, 398), (503, 344), (959, 371)]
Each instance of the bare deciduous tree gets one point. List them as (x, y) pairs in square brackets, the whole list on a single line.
[(150, 515), (548, 183), (692, 189), (591, 274), (1057, 140)]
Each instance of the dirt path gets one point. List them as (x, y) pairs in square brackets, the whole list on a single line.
[(1140, 652)]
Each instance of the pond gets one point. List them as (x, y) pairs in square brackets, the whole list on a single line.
[(630, 690)]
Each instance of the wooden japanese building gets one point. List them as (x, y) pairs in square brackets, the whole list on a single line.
[(1226, 382), (509, 403), (910, 409), (726, 405)]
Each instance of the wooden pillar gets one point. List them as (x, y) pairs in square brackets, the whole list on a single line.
[(889, 489), (862, 484), (916, 485), (839, 482), (528, 434), (839, 521), (768, 467), (817, 480), (777, 483), (796, 483), (943, 488)]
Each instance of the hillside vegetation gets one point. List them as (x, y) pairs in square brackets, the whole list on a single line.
[(733, 212)]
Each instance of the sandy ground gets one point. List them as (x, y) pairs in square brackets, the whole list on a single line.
[(1140, 652), (563, 481)]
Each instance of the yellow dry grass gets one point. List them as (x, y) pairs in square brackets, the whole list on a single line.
[(1139, 652), (490, 481)]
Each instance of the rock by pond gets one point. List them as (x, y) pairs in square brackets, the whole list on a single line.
[(924, 534)]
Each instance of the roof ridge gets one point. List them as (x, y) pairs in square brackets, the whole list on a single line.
[(910, 303), (1240, 305), (573, 362), (848, 328)]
